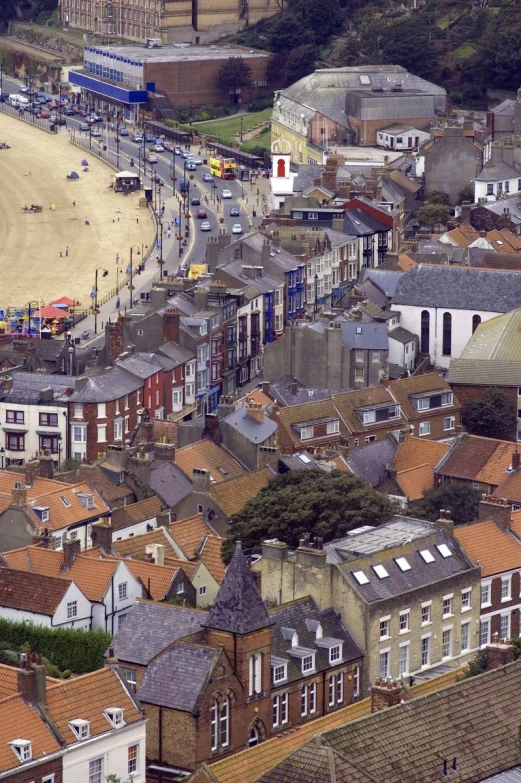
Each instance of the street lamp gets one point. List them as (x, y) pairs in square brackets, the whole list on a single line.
[(241, 128), (117, 140), (160, 260), (2, 457), (173, 169), (131, 268), (94, 294), (59, 439)]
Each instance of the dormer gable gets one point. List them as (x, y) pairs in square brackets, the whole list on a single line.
[(22, 748), (114, 715), (80, 728)]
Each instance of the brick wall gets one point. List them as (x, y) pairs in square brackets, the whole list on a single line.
[(36, 773), (366, 129), (505, 606), (90, 416)]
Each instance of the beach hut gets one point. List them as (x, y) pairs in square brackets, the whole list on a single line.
[(126, 182)]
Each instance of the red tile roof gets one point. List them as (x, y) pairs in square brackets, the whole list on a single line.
[(18, 720), (494, 549)]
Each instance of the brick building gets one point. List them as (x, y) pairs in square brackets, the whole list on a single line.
[(230, 678)]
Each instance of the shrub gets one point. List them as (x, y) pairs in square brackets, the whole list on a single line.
[(261, 102)]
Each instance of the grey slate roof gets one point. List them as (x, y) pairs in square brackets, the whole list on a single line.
[(401, 335), (177, 353), (369, 540), (385, 279), (496, 171), (170, 483), (505, 108), (496, 291), (176, 677), (255, 431), (294, 615), (106, 387), (238, 606), (369, 462), (151, 627), (372, 336), (359, 223), (142, 365), (28, 385), (484, 372), (513, 204)]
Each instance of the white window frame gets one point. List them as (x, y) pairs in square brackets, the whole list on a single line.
[(123, 591), (356, 682), (486, 586), (508, 617), (466, 626), (447, 630), (312, 698), (386, 622), (426, 605), (72, 610), (424, 428), (81, 728), (97, 775), (448, 599), (404, 613), (284, 708), (403, 646), (506, 581), (340, 687), (331, 690), (451, 421), (332, 427), (303, 701), (484, 622), (466, 599), (385, 652), (335, 651), (136, 760), (308, 663), (425, 638)]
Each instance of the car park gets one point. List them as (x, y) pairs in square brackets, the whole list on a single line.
[(226, 193), (236, 228), (207, 178), (201, 214), (206, 226), (235, 212)]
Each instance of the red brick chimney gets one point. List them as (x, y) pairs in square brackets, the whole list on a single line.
[(384, 694), (171, 317), (498, 654), (32, 679), (46, 465), (102, 535), (32, 469), (71, 549), (497, 509), (516, 459)]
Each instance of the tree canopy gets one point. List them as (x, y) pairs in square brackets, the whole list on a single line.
[(433, 214), (461, 500), (492, 415), (233, 74), (308, 502)]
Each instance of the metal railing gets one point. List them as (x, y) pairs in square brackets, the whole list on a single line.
[(30, 119), (95, 147)]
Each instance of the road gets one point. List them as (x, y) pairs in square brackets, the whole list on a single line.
[(216, 207)]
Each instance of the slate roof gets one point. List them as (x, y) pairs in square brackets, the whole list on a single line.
[(135, 512), (255, 431), (170, 483), (316, 763), (30, 592), (177, 353), (150, 627), (402, 335), (459, 288), (231, 496), (386, 280), (497, 339), (238, 607), (206, 454), (141, 365), (484, 372), (108, 386), (359, 223), (493, 548), (356, 335), (492, 171), (177, 676), (294, 615), (473, 458), (370, 461)]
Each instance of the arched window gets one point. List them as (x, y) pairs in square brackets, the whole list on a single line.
[(447, 334), (425, 331), (254, 737), (220, 723), (476, 320), (281, 167), (224, 722)]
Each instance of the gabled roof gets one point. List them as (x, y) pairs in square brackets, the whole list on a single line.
[(31, 592), (188, 533), (510, 487), (170, 483), (206, 454), (100, 480), (308, 411), (125, 516), (386, 280), (209, 554), (347, 402), (405, 182), (414, 482), (9, 681), (231, 496), (255, 431), (484, 372), (106, 387), (238, 607), (135, 547), (474, 458), (150, 627), (141, 365), (493, 548), (415, 451), (497, 339), (370, 462), (316, 762), (157, 579), (19, 720), (86, 697), (419, 384)]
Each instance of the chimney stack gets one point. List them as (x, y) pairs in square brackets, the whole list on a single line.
[(46, 465), (497, 509), (444, 522), (163, 519), (384, 694), (255, 411), (32, 469), (71, 548), (19, 494), (171, 318), (102, 535), (32, 680), (516, 459), (200, 480), (294, 387), (498, 654), (157, 551)]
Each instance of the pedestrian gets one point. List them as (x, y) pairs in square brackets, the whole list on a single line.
[(67, 251), (113, 218), (118, 303), (137, 219), (173, 221), (61, 253), (117, 258), (163, 209), (87, 221), (74, 203), (169, 233)]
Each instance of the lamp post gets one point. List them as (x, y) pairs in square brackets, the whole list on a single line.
[(2, 457), (59, 439), (130, 286), (160, 260), (179, 230), (94, 294), (173, 169), (241, 128), (117, 140)]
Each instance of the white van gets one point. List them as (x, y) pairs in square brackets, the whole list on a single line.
[(18, 100)]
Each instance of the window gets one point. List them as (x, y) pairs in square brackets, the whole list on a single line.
[(284, 708), (255, 674), (130, 677), (446, 643), (384, 627), (384, 664), (490, 188), (334, 653), (356, 682), (425, 329), (449, 423), (333, 427), (23, 749), (304, 700), (485, 594), (102, 410), (403, 660), (424, 428), (484, 633), (72, 609), (117, 411), (359, 356), (126, 402), (312, 215), (133, 751), (446, 399), (331, 690), (118, 429), (102, 433), (14, 417), (14, 441), (276, 711), (426, 613), (375, 356), (423, 404), (447, 606), (78, 410), (447, 334), (306, 433), (122, 590), (426, 651), (114, 716), (79, 434), (214, 714), (48, 419), (476, 320), (180, 588), (308, 663), (96, 771), (313, 698), (404, 621), (340, 688), (359, 374), (506, 583), (126, 424), (465, 636), (81, 728), (504, 631)]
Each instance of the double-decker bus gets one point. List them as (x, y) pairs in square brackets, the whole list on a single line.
[(225, 168)]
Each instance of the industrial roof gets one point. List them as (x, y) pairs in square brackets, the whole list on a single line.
[(497, 338), (484, 372), (370, 540), (176, 52)]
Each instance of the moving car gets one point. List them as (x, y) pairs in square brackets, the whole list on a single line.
[(149, 137), (197, 161), (236, 228), (190, 166), (234, 212), (177, 149), (83, 125), (123, 132), (70, 112), (137, 138), (158, 148), (226, 193), (195, 202), (96, 132), (152, 158), (207, 178), (201, 214), (206, 226)]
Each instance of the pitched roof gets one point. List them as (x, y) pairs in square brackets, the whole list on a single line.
[(157, 579), (475, 458), (405, 182), (418, 384), (252, 429), (484, 372), (135, 512), (170, 483), (415, 451), (414, 482), (370, 462), (231, 496), (9, 681), (308, 411), (206, 454), (19, 720), (238, 606), (86, 697), (188, 533), (209, 554), (150, 627), (459, 288), (258, 396), (135, 547), (316, 763), (487, 544), (96, 477), (347, 402), (107, 386), (176, 677), (31, 592), (510, 487), (497, 338)]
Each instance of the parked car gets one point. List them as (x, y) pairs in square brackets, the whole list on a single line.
[(3, 97), (96, 132), (206, 226), (191, 166), (236, 228), (123, 132), (207, 178), (83, 125), (23, 89), (151, 158), (178, 150), (201, 214), (235, 212), (137, 138), (158, 148), (70, 112), (226, 193), (197, 161), (149, 137)]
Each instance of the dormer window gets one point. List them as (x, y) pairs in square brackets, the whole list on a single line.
[(86, 499), (23, 749), (335, 653), (80, 728), (290, 635), (114, 715), (279, 670), (308, 663), (42, 512)]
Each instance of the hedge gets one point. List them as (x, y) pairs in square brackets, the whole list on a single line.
[(78, 651)]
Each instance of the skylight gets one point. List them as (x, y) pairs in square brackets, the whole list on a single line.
[(427, 556), (360, 577), (444, 550), (403, 564), (380, 571)]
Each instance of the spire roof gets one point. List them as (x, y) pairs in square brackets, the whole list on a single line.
[(238, 606)]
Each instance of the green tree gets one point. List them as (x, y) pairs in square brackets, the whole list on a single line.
[(491, 415), (433, 214), (461, 500), (322, 16), (287, 32), (466, 194), (300, 62), (438, 197), (408, 42), (308, 502), (234, 73)]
